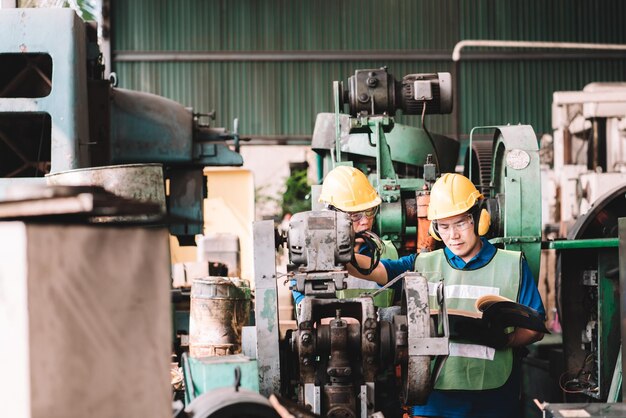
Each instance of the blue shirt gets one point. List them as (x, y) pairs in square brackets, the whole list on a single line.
[(500, 402)]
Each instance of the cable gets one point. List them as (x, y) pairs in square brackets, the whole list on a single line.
[(375, 244), (432, 142), (582, 381)]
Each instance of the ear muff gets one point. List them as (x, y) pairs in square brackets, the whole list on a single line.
[(433, 231), (484, 222)]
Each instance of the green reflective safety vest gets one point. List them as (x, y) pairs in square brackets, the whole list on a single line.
[(472, 366), (389, 250)]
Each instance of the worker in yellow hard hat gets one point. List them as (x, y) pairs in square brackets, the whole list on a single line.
[(347, 189), (481, 377)]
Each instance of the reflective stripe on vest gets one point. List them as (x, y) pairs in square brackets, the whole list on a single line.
[(472, 366)]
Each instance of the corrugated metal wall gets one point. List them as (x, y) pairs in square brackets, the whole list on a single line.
[(280, 66)]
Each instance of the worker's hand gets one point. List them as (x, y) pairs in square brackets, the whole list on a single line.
[(279, 408)]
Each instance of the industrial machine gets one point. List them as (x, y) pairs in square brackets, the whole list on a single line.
[(59, 116), (402, 161), (394, 155), (343, 349), (58, 113), (601, 317), (585, 167), (64, 129), (586, 156), (343, 346)]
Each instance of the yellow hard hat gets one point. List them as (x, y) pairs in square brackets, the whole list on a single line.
[(451, 195), (347, 189)]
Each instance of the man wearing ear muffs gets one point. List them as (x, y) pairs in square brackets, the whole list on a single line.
[(481, 377)]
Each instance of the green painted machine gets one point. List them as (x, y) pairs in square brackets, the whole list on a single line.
[(403, 161)]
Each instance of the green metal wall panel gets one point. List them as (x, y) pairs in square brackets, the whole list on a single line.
[(258, 25), (275, 98)]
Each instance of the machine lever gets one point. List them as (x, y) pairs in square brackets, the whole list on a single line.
[(399, 277)]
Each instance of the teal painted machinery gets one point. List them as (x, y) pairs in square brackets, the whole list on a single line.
[(403, 161), (58, 113), (394, 155)]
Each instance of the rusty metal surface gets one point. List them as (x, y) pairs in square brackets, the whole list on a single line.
[(141, 182), (320, 240), (416, 371), (75, 202), (333, 346), (266, 307), (219, 310)]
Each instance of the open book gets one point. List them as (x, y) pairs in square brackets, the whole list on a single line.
[(495, 309)]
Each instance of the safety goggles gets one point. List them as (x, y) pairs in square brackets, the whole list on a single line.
[(357, 216), (447, 229)]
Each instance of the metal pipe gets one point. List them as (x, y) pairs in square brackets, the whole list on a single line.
[(456, 57), (456, 53), (171, 56), (342, 56)]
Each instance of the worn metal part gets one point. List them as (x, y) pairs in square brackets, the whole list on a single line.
[(340, 401), (367, 399), (266, 307), (320, 244), (60, 34), (219, 310), (320, 240), (416, 369), (77, 202), (338, 342), (141, 182), (312, 399), (187, 188), (248, 341), (339, 395), (323, 284)]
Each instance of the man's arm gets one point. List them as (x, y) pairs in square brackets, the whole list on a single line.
[(522, 336), (386, 269), (379, 275)]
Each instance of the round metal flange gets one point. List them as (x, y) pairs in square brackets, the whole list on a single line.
[(517, 159)]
